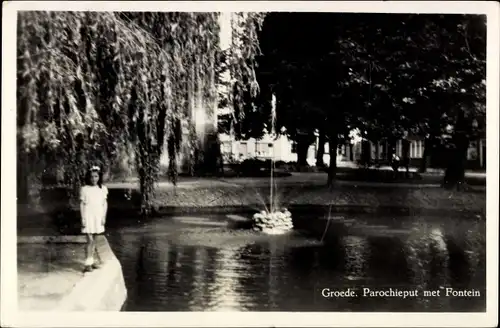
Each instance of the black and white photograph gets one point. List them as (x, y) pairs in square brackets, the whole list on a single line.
[(179, 160)]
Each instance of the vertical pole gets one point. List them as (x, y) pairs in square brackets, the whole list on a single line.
[(272, 183), (273, 118), (480, 152)]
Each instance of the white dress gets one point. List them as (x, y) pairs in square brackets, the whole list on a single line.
[(94, 200)]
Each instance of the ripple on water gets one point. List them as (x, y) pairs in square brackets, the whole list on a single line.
[(189, 264)]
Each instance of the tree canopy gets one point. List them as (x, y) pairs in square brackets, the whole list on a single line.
[(104, 87), (384, 74)]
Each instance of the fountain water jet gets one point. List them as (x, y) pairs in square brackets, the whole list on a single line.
[(273, 221)]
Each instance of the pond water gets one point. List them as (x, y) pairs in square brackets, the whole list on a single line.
[(201, 264)]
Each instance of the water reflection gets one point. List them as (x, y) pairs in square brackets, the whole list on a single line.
[(474, 249), (356, 254), (177, 270), (199, 279), (223, 292), (427, 258)]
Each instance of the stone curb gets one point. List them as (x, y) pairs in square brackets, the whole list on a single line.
[(101, 290), (51, 239)]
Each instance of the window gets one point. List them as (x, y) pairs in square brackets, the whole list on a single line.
[(261, 148), (227, 147), (243, 148), (294, 147), (270, 145)]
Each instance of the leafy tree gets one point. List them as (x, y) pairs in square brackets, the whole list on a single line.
[(440, 75), (87, 91), (244, 92), (98, 87), (386, 75), (287, 69), (458, 93)]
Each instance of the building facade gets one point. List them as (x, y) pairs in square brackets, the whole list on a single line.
[(283, 149)]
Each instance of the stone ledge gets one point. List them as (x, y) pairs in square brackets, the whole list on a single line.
[(51, 239), (101, 290)]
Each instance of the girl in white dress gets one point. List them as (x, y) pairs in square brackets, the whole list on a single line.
[(93, 208)]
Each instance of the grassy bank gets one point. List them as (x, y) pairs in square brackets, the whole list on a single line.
[(232, 192), (414, 198), (304, 193), (299, 192)]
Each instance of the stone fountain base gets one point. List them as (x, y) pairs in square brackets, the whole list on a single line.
[(273, 223)]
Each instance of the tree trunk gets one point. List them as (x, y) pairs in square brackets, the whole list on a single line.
[(321, 149), (332, 146), (455, 170), (406, 155), (302, 148), (391, 149), (22, 177), (351, 152), (377, 153), (213, 156), (145, 173), (426, 155), (478, 152), (366, 152)]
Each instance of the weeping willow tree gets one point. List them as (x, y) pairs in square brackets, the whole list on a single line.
[(195, 39), (105, 88), (241, 63), (191, 41), (82, 80)]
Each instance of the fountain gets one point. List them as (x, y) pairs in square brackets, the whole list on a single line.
[(273, 221)]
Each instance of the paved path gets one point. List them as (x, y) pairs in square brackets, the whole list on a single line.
[(50, 276)]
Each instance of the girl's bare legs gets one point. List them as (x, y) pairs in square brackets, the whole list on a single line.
[(94, 251), (89, 252)]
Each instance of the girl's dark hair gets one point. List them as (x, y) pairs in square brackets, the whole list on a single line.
[(89, 174)]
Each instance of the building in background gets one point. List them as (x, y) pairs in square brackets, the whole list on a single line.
[(280, 149), (284, 149)]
